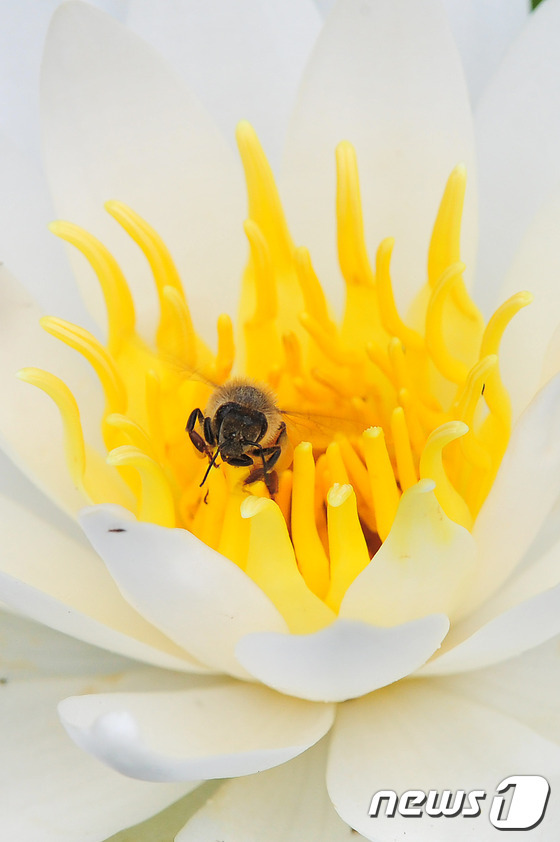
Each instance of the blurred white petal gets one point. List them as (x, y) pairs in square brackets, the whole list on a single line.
[(118, 124), (517, 132), (243, 60), (483, 31)]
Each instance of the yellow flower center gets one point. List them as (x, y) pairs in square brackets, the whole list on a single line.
[(381, 402)]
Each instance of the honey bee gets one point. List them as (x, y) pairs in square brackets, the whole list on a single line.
[(243, 425)]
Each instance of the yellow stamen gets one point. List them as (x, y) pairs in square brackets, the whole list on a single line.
[(431, 467), (90, 348), (359, 479), (445, 245), (209, 518), (226, 349), (276, 572), (468, 401), (347, 546), (361, 316), (403, 452), (392, 322), (384, 489), (352, 253), (314, 298), (311, 556), (135, 434), (70, 414), (451, 368), (155, 504), (284, 495), (90, 474), (179, 337), (498, 398), (234, 540), (118, 300), (264, 202)]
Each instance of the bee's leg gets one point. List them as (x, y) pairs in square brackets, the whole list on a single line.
[(203, 446), (269, 457), (208, 432)]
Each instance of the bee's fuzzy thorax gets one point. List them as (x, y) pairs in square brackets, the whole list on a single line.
[(247, 393)]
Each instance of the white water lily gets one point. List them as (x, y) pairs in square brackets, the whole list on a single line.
[(119, 124)]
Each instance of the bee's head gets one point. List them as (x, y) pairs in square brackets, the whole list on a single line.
[(236, 427)]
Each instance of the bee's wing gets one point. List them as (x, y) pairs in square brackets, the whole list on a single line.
[(190, 373), (320, 430)]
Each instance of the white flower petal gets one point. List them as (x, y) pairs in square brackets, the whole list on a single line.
[(414, 736), (482, 32), (525, 489), (551, 362), (217, 732), (15, 485), (26, 244), (526, 342), (545, 540), (57, 581), (22, 34), (38, 448), (421, 568), (527, 688), (386, 76), (32, 651), (522, 614), (119, 125), (529, 580), (52, 791), (344, 660), (286, 804), (518, 131), (199, 598), (516, 630), (325, 6), (243, 60)]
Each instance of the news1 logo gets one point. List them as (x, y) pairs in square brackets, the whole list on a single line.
[(519, 803)]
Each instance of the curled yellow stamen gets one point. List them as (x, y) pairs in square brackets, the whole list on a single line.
[(390, 317), (90, 348), (118, 300), (313, 295), (431, 467), (179, 335), (451, 368), (70, 414), (156, 499)]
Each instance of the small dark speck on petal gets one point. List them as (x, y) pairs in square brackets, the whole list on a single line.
[(120, 529)]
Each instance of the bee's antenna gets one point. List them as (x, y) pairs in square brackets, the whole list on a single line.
[(212, 462)]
